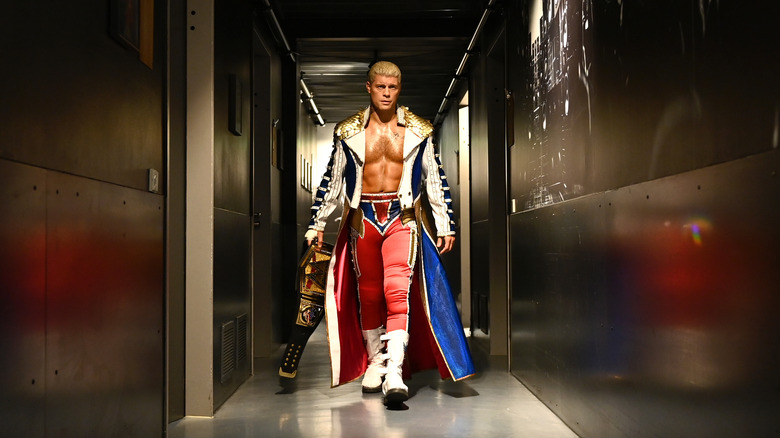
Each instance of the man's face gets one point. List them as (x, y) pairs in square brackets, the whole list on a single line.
[(384, 92)]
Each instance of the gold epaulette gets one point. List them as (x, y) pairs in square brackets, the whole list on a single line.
[(350, 126), (357, 122), (421, 127)]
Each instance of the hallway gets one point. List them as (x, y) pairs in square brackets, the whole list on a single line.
[(614, 171), (491, 404)]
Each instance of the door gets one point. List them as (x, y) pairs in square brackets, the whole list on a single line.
[(266, 159)]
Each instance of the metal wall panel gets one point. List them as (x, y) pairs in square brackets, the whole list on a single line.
[(176, 201), (652, 309), (233, 165), (478, 128), (22, 299), (497, 171), (104, 309), (81, 102), (489, 193), (480, 274), (611, 94), (480, 205), (232, 142), (232, 291), (270, 238)]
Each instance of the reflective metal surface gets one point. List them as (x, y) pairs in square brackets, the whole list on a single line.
[(490, 404), (652, 309), (232, 294), (233, 221), (610, 94), (644, 283), (104, 309), (22, 299), (82, 105), (82, 306)]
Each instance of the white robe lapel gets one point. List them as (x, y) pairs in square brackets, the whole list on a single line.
[(358, 145), (358, 141), (411, 140)]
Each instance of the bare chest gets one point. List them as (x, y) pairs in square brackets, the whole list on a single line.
[(384, 146)]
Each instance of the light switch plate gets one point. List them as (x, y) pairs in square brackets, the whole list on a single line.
[(154, 181)]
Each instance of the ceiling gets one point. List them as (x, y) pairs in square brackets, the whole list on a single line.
[(335, 40)]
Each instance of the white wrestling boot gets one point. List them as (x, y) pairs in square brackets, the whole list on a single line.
[(372, 379), (393, 387)]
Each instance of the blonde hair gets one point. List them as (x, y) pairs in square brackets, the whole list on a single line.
[(384, 68)]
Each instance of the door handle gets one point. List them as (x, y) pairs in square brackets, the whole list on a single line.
[(256, 220)]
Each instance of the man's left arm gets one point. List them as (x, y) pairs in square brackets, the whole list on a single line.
[(439, 197)]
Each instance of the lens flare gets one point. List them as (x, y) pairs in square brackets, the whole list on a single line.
[(697, 227), (696, 234)]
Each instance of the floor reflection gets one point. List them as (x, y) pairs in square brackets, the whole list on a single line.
[(492, 403)]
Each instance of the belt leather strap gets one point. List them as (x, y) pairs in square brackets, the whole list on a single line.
[(311, 280)]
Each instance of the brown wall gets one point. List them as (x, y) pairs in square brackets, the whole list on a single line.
[(644, 165), (269, 169), (82, 239), (233, 168), (489, 188), (75, 100)]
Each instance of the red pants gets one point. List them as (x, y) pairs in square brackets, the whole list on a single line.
[(384, 259)]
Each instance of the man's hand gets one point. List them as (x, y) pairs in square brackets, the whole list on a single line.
[(320, 237), (445, 244)]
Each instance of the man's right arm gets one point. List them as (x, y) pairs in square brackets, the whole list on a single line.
[(327, 194), (438, 192)]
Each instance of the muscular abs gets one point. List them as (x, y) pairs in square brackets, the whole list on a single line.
[(384, 159)]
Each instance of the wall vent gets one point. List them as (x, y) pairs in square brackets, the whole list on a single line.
[(241, 337), (228, 350)]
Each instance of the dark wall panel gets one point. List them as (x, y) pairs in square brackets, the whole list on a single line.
[(87, 116), (22, 299), (559, 320), (176, 199), (232, 299), (232, 106), (82, 306), (652, 309), (232, 196), (271, 239), (488, 160), (479, 173), (480, 276), (74, 98), (616, 93), (104, 309), (643, 260), (478, 129)]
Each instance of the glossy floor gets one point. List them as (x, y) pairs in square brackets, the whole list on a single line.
[(490, 404)]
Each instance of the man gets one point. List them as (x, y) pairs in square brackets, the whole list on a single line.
[(383, 159)]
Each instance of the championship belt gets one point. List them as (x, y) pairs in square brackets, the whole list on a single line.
[(311, 279)]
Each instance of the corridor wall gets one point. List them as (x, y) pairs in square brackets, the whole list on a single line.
[(642, 187), (81, 230), (233, 177)]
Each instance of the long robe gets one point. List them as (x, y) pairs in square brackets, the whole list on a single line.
[(436, 335)]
